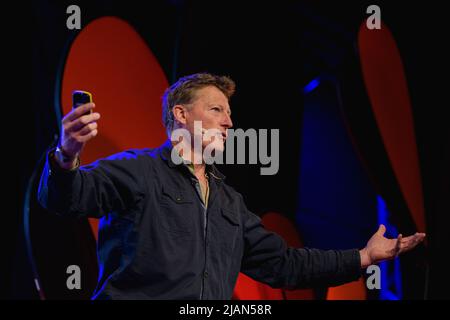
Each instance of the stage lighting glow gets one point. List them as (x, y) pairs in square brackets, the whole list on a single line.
[(311, 85)]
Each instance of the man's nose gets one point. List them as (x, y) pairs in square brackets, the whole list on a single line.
[(227, 123)]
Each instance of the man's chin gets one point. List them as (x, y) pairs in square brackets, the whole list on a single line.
[(214, 148), (219, 147)]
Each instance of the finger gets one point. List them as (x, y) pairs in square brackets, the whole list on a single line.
[(79, 111), (398, 245), (409, 238), (411, 242), (88, 136), (381, 230), (82, 121), (88, 128), (417, 238)]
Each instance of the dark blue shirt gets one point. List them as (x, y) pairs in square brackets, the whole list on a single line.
[(157, 241)]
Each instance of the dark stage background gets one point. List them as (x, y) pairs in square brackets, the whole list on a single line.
[(333, 165)]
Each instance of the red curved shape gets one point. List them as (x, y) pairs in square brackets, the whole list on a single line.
[(387, 89), (109, 59), (355, 290)]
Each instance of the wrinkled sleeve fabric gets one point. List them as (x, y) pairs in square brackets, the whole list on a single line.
[(111, 184), (268, 259)]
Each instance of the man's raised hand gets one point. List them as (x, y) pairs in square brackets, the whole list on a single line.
[(78, 127)]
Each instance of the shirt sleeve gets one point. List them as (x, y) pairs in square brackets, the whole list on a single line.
[(268, 259), (111, 184)]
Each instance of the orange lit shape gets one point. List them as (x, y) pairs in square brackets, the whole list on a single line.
[(109, 59)]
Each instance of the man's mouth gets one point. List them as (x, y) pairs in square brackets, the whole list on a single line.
[(223, 135)]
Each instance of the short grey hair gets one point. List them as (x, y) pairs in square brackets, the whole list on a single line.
[(183, 92)]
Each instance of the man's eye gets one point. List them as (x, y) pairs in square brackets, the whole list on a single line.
[(216, 108)]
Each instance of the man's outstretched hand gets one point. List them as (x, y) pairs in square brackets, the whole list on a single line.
[(380, 248)]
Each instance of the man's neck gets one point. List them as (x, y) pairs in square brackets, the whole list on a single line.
[(199, 168)]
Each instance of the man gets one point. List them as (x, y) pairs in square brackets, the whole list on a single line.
[(174, 229)]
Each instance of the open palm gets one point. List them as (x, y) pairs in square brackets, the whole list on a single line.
[(380, 248)]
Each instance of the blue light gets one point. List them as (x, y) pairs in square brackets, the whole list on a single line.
[(391, 278), (311, 85)]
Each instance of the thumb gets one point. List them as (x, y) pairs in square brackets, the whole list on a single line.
[(381, 230)]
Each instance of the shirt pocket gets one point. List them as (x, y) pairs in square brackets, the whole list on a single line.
[(230, 229), (176, 211)]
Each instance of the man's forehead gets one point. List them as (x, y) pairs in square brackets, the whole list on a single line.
[(212, 95)]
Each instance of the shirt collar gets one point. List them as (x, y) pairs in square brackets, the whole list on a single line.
[(166, 155)]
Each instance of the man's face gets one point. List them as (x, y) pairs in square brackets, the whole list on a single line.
[(212, 108)]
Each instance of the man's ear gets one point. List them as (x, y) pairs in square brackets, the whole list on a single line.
[(179, 113)]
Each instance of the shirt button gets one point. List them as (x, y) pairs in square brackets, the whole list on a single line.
[(205, 274)]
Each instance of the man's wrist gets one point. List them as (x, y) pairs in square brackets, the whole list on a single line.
[(62, 155), (365, 259), (64, 161)]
